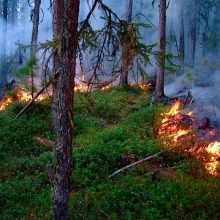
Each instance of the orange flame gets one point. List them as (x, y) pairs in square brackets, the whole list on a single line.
[(144, 86), (105, 88), (190, 113), (83, 87), (175, 108), (214, 148), (172, 128), (24, 96), (21, 96), (5, 102), (174, 111), (179, 134), (171, 125), (212, 167)]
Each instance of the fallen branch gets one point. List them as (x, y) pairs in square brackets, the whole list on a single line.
[(43, 141), (139, 162), (37, 95)]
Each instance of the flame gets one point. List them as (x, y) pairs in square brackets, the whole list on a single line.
[(175, 109), (22, 96), (144, 86), (190, 113), (179, 134), (104, 88), (214, 148), (5, 102), (83, 87), (172, 126), (171, 121), (212, 166)]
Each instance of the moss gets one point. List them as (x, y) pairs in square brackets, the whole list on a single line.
[(112, 129)]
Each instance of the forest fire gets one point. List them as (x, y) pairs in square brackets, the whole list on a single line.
[(178, 126), (24, 96), (171, 123), (21, 95)]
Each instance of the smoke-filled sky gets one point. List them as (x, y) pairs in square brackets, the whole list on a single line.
[(21, 31)]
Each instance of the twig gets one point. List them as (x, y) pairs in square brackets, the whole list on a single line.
[(37, 95), (139, 162)]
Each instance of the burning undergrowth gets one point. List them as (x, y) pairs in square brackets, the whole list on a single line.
[(20, 95), (177, 127), (191, 135)]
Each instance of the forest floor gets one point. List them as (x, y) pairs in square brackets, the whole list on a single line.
[(113, 128)]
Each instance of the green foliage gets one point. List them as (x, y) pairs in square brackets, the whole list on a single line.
[(134, 45), (189, 78), (24, 73), (26, 70), (49, 44), (113, 128), (117, 40)]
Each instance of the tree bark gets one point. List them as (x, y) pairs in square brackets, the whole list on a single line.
[(66, 14), (35, 20), (181, 36), (162, 49), (125, 52)]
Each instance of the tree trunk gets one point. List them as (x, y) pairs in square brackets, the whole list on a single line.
[(129, 10), (14, 12), (181, 36), (125, 52), (192, 33), (65, 28), (162, 49), (3, 47), (35, 20)]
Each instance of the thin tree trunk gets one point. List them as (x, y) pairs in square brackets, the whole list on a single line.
[(65, 27), (5, 27), (181, 36), (125, 56), (192, 34), (3, 46), (14, 9), (162, 49), (35, 20)]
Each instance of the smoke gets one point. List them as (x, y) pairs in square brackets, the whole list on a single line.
[(21, 31)]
